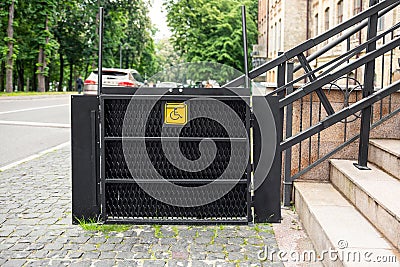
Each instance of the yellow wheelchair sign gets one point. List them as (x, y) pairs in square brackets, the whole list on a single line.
[(175, 113)]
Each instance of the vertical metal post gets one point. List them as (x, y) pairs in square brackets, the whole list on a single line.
[(100, 68), (245, 47), (369, 75), (120, 56), (281, 82), (287, 178)]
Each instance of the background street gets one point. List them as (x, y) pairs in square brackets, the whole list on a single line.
[(29, 125)]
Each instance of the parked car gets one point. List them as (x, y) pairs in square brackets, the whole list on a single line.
[(169, 85), (112, 77)]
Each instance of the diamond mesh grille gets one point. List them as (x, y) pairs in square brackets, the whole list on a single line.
[(115, 109), (125, 199), (117, 168), (130, 201)]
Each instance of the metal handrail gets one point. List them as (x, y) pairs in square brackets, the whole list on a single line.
[(340, 115), (384, 7), (325, 79), (339, 60)]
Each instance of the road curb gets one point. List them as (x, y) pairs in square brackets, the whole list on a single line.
[(32, 97)]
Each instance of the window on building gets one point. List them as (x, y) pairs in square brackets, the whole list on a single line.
[(381, 23), (316, 25), (326, 21), (278, 35), (340, 12), (357, 6), (272, 40)]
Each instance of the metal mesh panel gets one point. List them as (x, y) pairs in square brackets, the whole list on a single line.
[(116, 166), (124, 201), (115, 109)]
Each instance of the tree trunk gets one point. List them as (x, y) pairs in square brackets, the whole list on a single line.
[(42, 63), (2, 76), (34, 81), (40, 72), (20, 71), (71, 75), (61, 80), (10, 44)]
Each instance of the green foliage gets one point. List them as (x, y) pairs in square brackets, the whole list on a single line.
[(211, 30), (67, 31)]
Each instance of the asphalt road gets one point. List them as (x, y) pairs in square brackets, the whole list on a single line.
[(29, 125)]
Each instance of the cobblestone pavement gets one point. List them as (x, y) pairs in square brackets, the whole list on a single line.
[(36, 229)]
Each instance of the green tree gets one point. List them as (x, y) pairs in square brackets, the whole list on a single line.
[(211, 30)]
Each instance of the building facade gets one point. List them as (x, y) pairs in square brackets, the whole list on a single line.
[(284, 24)]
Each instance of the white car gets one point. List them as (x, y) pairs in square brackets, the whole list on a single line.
[(112, 77), (169, 85)]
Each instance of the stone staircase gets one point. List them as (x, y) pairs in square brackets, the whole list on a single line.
[(357, 214)]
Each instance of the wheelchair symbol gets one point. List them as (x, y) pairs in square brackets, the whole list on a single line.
[(174, 115)]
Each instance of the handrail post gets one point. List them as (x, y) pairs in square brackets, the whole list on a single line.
[(287, 178), (281, 78), (369, 74)]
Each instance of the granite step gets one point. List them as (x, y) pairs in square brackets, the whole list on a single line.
[(335, 225), (386, 154), (373, 192)]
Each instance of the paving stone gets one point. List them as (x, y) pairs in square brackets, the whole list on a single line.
[(123, 247), (21, 255), (54, 246), (162, 255), (14, 263), (233, 256), (168, 241), (140, 248), (58, 254), (124, 255), (215, 248), (235, 241), (128, 263), (233, 248), (225, 264), (162, 248), (196, 263), (221, 240), (104, 263), (75, 255), (180, 255), (216, 256), (255, 241), (37, 263), (81, 263), (177, 263), (107, 255), (114, 240), (60, 263), (198, 256), (91, 255), (107, 247), (203, 240), (154, 263)]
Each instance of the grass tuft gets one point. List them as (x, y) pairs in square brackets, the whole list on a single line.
[(93, 226), (157, 231)]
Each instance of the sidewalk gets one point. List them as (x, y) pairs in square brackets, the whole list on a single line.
[(36, 229)]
